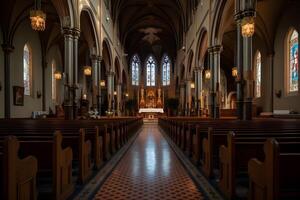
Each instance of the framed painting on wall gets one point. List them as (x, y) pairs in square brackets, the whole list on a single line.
[(18, 95)]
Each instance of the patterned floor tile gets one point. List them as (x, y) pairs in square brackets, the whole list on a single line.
[(149, 170)]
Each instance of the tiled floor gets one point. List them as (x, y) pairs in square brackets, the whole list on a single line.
[(149, 170)]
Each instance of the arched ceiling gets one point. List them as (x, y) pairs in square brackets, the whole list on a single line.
[(150, 26)]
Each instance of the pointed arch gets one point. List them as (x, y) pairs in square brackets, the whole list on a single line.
[(27, 69), (150, 70), (166, 70), (257, 70), (292, 61), (135, 69)]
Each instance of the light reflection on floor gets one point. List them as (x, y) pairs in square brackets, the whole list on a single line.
[(149, 170)]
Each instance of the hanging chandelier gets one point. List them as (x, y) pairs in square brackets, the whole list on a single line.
[(38, 17), (207, 74), (57, 75), (248, 27), (87, 70)]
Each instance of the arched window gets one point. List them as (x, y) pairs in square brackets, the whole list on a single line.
[(27, 70), (292, 62), (258, 74), (135, 68), (166, 70), (151, 65), (53, 68)]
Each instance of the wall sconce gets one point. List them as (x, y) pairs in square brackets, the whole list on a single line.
[(102, 83), (278, 93), (38, 94), (207, 74), (84, 97), (234, 72), (192, 85), (57, 75), (87, 70), (248, 26), (126, 94), (115, 93)]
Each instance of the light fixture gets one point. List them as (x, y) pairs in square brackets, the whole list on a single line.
[(192, 85), (207, 74), (126, 94), (102, 83), (234, 72), (57, 75), (38, 17), (115, 93), (248, 26), (107, 18), (84, 97), (87, 70)]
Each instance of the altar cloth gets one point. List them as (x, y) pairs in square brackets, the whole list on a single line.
[(151, 110)]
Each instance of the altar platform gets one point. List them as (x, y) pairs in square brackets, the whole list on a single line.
[(151, 113)]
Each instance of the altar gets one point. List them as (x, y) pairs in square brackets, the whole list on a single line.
[(151, 113), (151, 104)]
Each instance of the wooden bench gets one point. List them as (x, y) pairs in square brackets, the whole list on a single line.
[(18, 175), (234, 157), (277, 177)]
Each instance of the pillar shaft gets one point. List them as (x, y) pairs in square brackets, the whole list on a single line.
[(68, 73), (110, 89), (76, 34), (182, 98), (7, 49), (119, 96), (198, 89), (215, 55), (94, 80), (188, 97)]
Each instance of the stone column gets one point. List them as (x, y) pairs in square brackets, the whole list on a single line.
[(7, 49), (249, 79), (188, 96), (76, 35), (95, 80), (119, 96), (271, 70), (239, 63), (110, 89), (68, 73), (198, 89), (215, 55), (182, 98), (99, 98)]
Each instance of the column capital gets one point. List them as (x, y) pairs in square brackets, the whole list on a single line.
[(67, 31), (110, 73), (215, 49), (199, 69), (76, 33), (7, 48)]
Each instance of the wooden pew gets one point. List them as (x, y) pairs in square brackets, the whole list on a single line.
[(18, 176), (277, 177), (55, 160), (233, 159)]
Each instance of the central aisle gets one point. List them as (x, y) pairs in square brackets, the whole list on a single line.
[(149, 170)]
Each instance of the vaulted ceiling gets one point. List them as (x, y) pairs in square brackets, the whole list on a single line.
[(150, 26)]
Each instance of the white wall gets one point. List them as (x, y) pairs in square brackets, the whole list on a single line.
[(53, 54), (1, 78), (24, 35)]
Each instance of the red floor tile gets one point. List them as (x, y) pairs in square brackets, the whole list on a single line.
[(149, 170)]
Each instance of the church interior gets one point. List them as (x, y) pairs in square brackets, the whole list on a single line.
[(149, 99)]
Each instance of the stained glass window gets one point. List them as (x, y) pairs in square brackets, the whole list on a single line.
[(151, 65), (135, 67), (166, 70), (53, 67), (293, 61), (27, 69), (258, 75)]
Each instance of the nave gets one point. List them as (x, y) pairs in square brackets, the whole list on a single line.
[(149, 170)]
